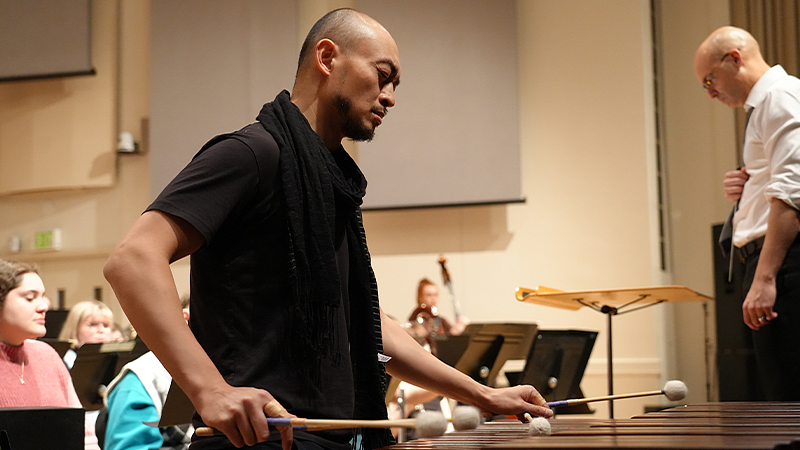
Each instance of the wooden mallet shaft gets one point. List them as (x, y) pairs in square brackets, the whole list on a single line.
[(674, 390), (325, 424), (580, 401)]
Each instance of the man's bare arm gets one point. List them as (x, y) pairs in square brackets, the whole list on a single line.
[(412, 363), (138, 271), (782, 227)]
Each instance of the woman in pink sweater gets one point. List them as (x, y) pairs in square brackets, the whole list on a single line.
[(31, 372)]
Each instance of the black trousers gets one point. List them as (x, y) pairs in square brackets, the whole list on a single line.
[(777, 345)]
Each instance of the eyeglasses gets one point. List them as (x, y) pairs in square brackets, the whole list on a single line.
[(708, 81)]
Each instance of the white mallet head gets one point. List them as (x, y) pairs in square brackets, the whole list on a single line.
[(539, 426), (466, 418), (675, 390), (430, 424)]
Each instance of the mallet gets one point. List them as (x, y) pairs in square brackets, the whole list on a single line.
[(427, 423), (674, 390), (538, 426)]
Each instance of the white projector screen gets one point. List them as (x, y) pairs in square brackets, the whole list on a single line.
[(452, 138), (45, 39)]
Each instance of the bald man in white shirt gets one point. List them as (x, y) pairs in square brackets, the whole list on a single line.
[(732, 70)]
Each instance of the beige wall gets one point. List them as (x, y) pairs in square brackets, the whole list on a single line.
[(588, 170), (62, 130), (700, 142), (93, 219)]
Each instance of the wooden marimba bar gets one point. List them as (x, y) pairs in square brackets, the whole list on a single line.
[(706, 426)]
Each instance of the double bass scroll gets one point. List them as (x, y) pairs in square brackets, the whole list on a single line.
[(446, 280)]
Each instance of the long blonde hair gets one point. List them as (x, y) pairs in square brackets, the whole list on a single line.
[(69, 332)]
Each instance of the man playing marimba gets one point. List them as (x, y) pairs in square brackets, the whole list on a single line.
[(284, 300)]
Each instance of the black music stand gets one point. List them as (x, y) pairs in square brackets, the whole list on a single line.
[(91, 372), (22, 428), (53, 321), (178, 409), (517, 341), (556, 364), (483, 348), (60, 347), (127, 351), (96, 365), (450, 348)]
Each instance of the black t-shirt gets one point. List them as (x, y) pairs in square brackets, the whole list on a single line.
[(241, 302)]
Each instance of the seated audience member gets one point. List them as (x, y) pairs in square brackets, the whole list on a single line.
[(427, 311), (31, 373), (137, 395), (88, 322)]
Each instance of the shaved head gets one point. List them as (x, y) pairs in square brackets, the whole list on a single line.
[(348, 70), (728, 64), (343, 26), (725, 39)]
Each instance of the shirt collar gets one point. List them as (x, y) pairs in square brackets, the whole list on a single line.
[(760, 89)]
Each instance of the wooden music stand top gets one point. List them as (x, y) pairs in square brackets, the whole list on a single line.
[(615, 299), (610, 302)]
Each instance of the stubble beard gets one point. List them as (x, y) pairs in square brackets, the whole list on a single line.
[(351, 126)]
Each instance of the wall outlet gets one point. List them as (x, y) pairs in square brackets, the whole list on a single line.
[(47, 240)]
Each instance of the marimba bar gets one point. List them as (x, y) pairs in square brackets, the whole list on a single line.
[(708, 426)]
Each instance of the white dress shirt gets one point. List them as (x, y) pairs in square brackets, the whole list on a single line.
[(771, 152)]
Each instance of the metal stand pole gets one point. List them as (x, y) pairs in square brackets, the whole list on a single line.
[(610, 311), (401, 405)]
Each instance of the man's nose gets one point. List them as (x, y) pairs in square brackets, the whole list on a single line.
[(387, 96)]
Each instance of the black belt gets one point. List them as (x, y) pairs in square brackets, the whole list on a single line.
[(749, 249)]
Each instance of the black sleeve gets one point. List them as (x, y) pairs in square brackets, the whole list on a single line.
[(218, 181)]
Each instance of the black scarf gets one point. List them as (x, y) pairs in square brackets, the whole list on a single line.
[(323, 207)]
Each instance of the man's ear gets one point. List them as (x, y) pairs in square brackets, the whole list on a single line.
[(325, 52), (736, 56)]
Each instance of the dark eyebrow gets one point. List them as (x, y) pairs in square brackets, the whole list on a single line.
[(393, 69)]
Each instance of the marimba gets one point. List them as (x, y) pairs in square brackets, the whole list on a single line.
[(706, 426)]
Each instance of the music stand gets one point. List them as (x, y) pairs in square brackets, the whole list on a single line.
[(127, 351), (177, 410), (53, 321), (556, 364), (60, 347), (483, 348), (96, 365), (450, 348), (21, 428), (611, 302), (517, 341), (92, 369)]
